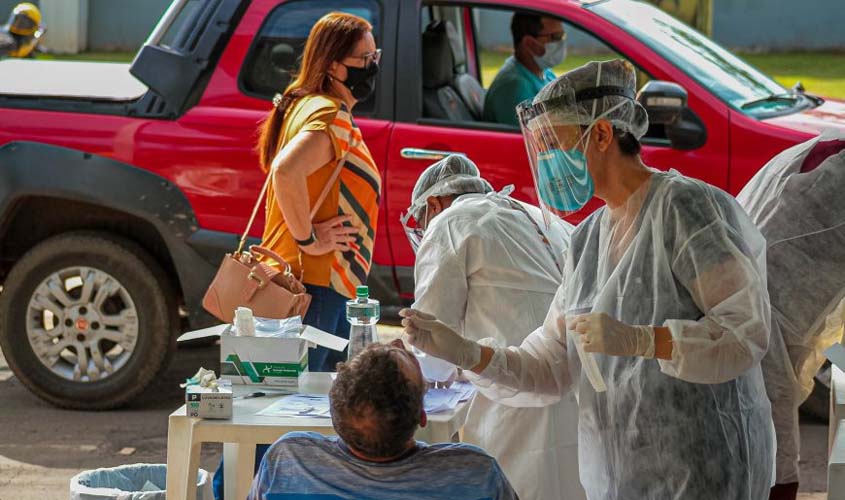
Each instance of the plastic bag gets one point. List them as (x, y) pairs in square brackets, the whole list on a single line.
[(131, 482)]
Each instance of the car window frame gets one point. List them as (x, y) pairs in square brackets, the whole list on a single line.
[(384, 96), (499, 127)]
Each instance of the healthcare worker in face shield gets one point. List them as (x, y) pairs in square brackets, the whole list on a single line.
[(796, 201), (483, 256), (665, 290)]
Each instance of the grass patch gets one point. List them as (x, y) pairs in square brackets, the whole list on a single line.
[(821, 73), (122, 57)]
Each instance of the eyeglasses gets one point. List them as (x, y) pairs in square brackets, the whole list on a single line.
[(555, 37), (369, 57)]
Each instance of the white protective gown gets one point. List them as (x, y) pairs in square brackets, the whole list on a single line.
[(483, 269), (680, 254), (797, 202)]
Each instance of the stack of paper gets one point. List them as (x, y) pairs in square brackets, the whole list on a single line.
[(317, 405), (466, 389), (299, 405), (441, 400)]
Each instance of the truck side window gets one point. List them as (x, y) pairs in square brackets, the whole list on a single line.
[(495, 42), (479, 55), (277, 47)]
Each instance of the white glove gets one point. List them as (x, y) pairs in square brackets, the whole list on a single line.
[(601, 333), (435, 338)]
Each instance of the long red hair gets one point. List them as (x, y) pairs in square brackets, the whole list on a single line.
[(332, 38)]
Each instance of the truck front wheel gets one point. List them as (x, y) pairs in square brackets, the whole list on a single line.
[(87, 320)]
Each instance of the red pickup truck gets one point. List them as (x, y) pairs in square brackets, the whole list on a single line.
[(122, 186)]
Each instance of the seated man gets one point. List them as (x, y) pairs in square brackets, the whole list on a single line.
[(377, 405), (539, 44)]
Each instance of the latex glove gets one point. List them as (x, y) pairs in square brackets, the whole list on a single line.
[(601, 333), (446, 383), (435, 338)]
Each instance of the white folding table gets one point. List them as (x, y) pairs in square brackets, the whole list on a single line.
[(245, 430)]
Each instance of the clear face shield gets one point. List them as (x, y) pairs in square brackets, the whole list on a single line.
[(556, 143), (416, 219), (411, 223)]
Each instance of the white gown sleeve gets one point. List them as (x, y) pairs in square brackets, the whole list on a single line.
[(719, 258), (534, 374)]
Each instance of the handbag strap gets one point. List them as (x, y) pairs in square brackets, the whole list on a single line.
[(314, 209)]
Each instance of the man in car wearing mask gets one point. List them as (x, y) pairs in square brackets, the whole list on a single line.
[(539, 44)]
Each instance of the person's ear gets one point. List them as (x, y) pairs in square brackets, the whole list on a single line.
[(435, 206), (533, 45), (602, 135), (423, 418), (337, 71)]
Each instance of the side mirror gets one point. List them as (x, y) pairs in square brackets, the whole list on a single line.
[(664, 101), (669, 116)]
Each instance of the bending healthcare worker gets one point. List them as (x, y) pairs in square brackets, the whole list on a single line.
[(665, 285), (796, 200), (482, 256)]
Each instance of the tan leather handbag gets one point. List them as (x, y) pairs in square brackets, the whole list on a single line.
[(243, 281)]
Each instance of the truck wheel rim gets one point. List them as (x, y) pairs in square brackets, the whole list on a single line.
[(82, 324)]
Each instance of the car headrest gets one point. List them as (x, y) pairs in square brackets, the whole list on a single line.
[(448, 29), (438, 62), (283, 57)]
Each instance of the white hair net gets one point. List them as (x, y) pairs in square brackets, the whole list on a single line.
[(617, 78), (451, 176)]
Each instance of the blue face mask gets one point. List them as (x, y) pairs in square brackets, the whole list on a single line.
[(563, 181)]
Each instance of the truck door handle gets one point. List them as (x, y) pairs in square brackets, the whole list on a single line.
[(426, 154)]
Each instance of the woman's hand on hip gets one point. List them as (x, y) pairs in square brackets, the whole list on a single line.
[(332, 236)]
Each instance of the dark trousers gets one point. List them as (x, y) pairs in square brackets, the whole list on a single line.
[(328, 313), (787, 491)]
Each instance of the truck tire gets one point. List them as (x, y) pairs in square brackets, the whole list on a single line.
[(87, 320)]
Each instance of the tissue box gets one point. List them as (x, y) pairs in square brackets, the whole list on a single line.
[(203, 402), (270, 361), (263, 361)]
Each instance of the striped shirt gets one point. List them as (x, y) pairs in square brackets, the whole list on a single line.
[(310, 466), (356, 193)]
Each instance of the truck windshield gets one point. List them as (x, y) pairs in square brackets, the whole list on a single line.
[(731, 79)]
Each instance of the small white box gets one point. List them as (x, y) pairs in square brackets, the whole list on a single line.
[(204, 402)]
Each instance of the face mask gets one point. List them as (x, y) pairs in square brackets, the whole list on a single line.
[(361, 81), (563, 181), (554, 55)]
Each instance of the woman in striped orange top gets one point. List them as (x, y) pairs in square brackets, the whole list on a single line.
[(311, 144)]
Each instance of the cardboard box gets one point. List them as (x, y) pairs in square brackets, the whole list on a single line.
[(263, 361), (268, 361), (203, 402)]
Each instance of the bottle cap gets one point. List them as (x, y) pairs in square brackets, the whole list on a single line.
[(362, 291)]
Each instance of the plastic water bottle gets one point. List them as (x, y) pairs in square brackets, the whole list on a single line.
[(362, 313)]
